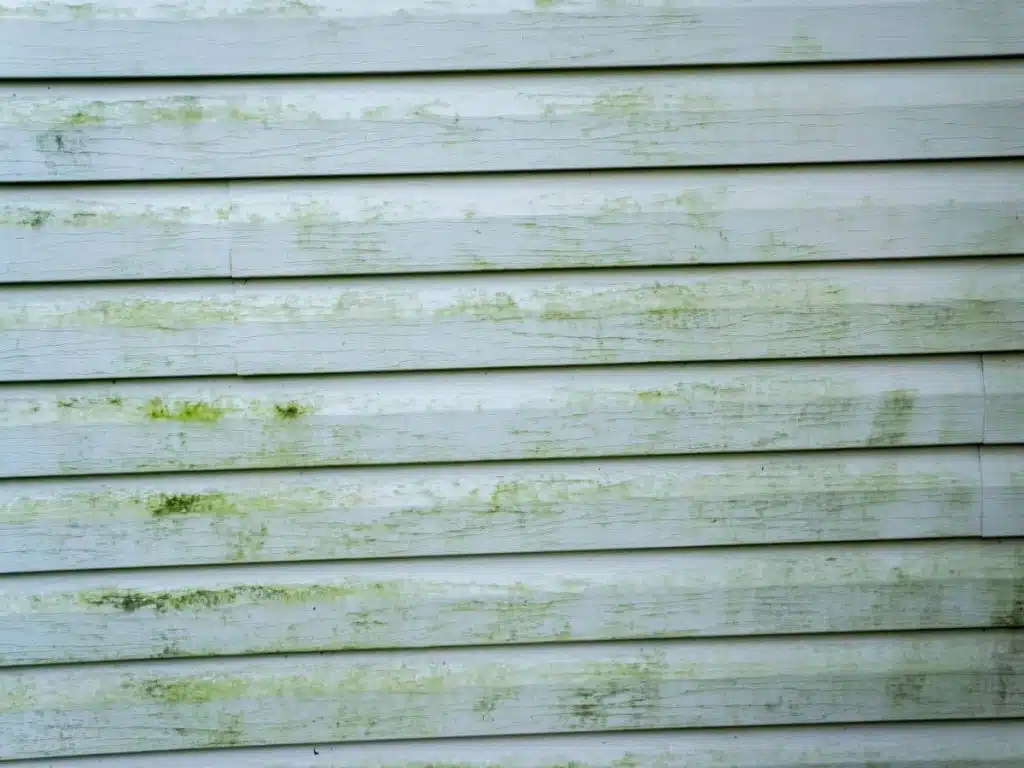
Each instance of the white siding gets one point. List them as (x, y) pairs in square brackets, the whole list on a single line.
[(498, 600), (921, 745), (468, 692), (465, 509), (501, 389), (232, 423), (445, 124), (125, 38), (512, 221), (1003, 471), (554, 318)]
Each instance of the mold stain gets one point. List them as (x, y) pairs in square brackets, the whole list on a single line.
[(180, 504), (291, 411), (617, 694), (151, 314), (190, 690), (892, 420), (630, 103), (802, 46), (188, 411), (31, 218), (482, 305), (197, 600)]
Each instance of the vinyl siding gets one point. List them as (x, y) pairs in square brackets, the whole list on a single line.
[(551, 384)]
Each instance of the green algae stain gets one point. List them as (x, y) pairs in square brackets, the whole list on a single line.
[(18, 697), (32, 218), (802, 46), (375, 113), (142, 313), (629, 692), (484, 306), (188, 411), (892, 420), (627, 102), (291, 410), (83, 117), (186, 110), (195, 600), (132, 600), (174, 505), (190, 690)]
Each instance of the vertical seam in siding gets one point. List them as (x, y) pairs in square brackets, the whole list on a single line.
[(984, 491), (981, 462)]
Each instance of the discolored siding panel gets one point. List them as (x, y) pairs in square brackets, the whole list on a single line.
[(500, 600), (545, 319), (131, 38), (509, 222), (1004, 398), (76, 429), (918, 745), (497, 387), (601, 504), (1003, 472), (468, 692), (446, 124)]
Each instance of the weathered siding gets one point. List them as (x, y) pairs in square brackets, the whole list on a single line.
[(510, 221), (359, 696), (536, 122), (545, 319), (921, 745), (503, 390), (125, 38), (466, 509)]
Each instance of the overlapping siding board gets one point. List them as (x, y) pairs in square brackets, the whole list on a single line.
[(512, 383)]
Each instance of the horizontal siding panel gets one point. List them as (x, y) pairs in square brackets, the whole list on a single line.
[(1004, 398), (627, 317), (996, 744), (113, 233), (117, 331), (299, 127), (125, 38), (74, 429), (497, 600), (451, 224), (53, 711), (542, 319), (696, 501), (1003, 471)]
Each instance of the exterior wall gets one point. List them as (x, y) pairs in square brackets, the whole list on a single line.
[(516, 384)]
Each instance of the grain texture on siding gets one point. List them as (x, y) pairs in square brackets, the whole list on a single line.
[(131, 38), (1003, 472), (510, 222), (161, 425), (996, 744), (543, 319), (602, 504), (499, 600), (548, 383), (358, 696), (1004, 398), (303, 127)]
